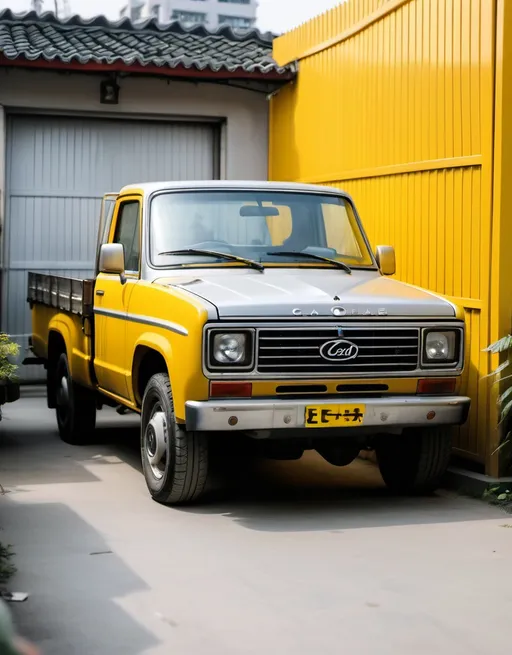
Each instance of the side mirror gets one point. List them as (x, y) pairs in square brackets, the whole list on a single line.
[(386, 259), (112, 260)]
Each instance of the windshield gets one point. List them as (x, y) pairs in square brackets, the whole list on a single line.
[(256, 225)]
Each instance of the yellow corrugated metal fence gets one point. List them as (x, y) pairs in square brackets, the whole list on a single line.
[(394, 103)]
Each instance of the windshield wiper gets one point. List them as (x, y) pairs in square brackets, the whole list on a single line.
[(213, 253), (310, 255)]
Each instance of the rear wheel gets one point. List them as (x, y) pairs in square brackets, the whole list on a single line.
[(174, 460), (75, 407), (414, 462)]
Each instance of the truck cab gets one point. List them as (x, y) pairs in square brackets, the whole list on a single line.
[(256, 310)]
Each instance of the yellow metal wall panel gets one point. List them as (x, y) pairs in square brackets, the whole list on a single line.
[(366, 104), (394, 103), (501, 277), (434, 221)]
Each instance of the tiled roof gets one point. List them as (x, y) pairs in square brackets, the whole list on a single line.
[(99, 41)]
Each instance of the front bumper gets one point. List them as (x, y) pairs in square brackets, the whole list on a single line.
[(381, 414)]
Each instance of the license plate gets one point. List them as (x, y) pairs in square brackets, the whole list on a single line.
[(334, 416)]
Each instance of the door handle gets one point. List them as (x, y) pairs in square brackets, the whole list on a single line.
[(100, 292)]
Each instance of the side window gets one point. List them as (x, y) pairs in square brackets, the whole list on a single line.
[(127, 233)]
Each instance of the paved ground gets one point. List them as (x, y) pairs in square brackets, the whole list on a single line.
[(299, 559)]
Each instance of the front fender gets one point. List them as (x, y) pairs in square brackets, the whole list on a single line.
[(148, 341), (187, 379)]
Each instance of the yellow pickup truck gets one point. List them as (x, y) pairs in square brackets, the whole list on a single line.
[(257, 310)]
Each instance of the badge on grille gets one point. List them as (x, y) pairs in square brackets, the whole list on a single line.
[(339, 350)]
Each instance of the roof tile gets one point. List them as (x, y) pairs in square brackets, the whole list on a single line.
[(150, 43)]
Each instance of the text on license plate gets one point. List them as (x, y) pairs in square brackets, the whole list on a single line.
[(334, 416)]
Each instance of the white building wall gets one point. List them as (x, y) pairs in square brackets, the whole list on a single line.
[(243, 148), (211, 8), (245, 136)]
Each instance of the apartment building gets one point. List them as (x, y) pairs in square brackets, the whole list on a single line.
[(211, 13)]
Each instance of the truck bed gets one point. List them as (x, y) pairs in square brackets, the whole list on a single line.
[(68, 294), (63, 306)]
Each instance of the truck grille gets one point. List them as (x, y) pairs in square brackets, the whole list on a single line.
[(296, 351)]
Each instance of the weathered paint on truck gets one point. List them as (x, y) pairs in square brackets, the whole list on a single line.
[(402, 104)]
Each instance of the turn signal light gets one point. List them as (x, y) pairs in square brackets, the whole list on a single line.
[(230, 389), (442, 386)]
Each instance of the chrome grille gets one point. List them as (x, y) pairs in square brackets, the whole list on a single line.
[(297, 350)]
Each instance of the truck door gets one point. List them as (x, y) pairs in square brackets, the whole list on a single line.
[(112, 298)]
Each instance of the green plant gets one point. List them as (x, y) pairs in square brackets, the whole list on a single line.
[(499, 497), (505, 398), (7, 349), (7, 570)]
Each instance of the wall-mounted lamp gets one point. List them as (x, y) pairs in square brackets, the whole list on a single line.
[(109, 92)]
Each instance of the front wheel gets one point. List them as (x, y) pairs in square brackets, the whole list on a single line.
[(174, 460), (75, 407), (414, 462)]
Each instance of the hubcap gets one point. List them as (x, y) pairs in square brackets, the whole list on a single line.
[(63, 397), (155, 440)]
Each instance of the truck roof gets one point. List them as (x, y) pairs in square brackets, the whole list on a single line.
[(151, 187)]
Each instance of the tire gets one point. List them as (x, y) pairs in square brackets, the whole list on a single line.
[(174, 461), (414, 462), (75, 407)]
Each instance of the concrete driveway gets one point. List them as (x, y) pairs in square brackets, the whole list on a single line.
[(298, 558)]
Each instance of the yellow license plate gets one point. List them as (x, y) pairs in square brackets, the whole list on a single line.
[(334, 416)]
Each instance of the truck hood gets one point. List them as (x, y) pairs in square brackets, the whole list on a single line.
[(284, 293)]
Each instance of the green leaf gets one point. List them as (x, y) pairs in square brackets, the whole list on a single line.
[(496, 373), (506, 411), (500, 346), (506, 394), (503, 497), (7, 349), (504, 443), (502, 367)]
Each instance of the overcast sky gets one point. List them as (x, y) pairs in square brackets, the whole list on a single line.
[(274, 15)]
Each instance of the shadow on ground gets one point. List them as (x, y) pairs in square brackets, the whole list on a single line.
[(308, 495), (312, 496), (85, 582)]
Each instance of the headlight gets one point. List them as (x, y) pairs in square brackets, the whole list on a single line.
[(441, 347), (231, 349)]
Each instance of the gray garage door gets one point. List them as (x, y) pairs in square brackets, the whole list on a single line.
[(58, 168)]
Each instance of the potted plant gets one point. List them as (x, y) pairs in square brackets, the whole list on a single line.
[(504, 347), (9, 385)]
